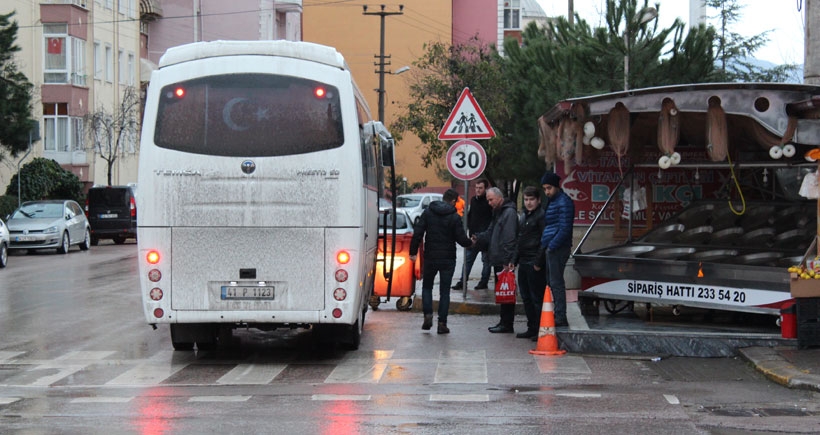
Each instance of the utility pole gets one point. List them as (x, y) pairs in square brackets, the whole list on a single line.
[(382, 63)]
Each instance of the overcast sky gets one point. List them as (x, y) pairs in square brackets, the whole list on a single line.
[(780, 16)]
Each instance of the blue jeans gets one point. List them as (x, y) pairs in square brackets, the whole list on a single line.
[(445, 269), (485, 271), (531, 286), (556, 262)]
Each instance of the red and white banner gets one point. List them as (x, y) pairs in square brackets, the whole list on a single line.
[(55, 45)]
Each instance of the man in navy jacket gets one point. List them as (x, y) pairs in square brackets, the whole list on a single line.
[(557, 241)]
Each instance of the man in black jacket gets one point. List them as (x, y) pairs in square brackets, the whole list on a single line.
[(532, 278), (441, 228), (479, 215)]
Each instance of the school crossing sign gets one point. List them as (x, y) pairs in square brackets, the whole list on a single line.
[(466, 121)]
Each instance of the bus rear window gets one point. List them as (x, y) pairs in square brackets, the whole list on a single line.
[(249, 115)]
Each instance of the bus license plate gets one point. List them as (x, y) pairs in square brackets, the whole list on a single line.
[(247, 293)]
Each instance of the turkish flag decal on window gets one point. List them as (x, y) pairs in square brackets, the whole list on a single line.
[(55, 45)]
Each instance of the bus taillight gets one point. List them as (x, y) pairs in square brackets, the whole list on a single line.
[(337, 313), (154, 275), (341, 275), (152, 257), (158, 313), (343, 257), (155, 294), (179, 92), (319, 92)]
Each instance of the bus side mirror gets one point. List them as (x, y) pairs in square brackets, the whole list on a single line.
[(388, 159)]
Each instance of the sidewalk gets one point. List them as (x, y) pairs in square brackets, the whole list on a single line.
[(784, 364)]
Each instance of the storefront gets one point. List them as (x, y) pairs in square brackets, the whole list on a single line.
[(690, 195)]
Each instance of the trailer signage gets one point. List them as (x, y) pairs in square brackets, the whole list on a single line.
[(677, 292)]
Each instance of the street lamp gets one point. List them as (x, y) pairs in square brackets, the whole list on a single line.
[(645, 15), (404, 185)]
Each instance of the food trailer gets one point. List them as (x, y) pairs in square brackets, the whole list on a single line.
[(690, 195)]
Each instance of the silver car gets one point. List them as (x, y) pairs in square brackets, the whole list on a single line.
[(46, 224), (415, 203), (4, 244)]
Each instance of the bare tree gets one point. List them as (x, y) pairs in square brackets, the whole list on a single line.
[(110, 132)]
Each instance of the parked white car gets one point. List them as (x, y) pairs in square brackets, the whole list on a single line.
[(4, 244), (415, 203)]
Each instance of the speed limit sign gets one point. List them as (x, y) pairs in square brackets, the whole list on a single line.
[(466, 160)]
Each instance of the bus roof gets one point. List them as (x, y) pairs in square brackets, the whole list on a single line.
[(295, 49)]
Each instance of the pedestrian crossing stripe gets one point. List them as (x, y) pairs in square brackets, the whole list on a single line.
[(466, 121)]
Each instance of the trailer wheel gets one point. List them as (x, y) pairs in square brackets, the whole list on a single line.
[(374, 302), (404, 303), (614, 306)]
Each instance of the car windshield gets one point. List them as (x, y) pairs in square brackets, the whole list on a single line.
[(38, 210), (401, 220), (408, 201)]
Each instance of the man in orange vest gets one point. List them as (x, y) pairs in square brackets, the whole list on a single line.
[(460, 206)]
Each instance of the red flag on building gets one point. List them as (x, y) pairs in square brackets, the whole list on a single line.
[(55, 45)]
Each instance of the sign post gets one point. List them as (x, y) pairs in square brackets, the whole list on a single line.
[(466, 159)]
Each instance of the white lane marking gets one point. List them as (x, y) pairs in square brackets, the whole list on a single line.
[(579, 395), (372, 357), (7, 355), (671, 399), (7, 400), (101, 399), (347, 373), (332, 397), (461, 367), (219, 398), (565, 364), (459, 398), (84, 355), (251, 374), (62, 372), (157, 369)]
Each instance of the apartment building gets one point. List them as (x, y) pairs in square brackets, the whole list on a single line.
[(81, 56)]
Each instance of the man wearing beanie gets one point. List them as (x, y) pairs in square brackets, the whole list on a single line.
[(557, 241)]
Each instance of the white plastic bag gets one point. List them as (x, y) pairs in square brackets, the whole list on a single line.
[(809, 188)]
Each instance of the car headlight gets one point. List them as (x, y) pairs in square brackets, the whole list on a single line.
[(51, 230)]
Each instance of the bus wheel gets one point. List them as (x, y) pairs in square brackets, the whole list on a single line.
[(354, 334), (177, 342), (404, 303)]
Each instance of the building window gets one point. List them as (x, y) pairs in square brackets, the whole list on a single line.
[(64, 58), (130, 69), (512, 15), (121, 67), (63, 133), (109, 63), (109, 4), (78, 75), (98, 61), (56, 56)]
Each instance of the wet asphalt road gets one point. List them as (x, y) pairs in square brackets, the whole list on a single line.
[(77, 357)]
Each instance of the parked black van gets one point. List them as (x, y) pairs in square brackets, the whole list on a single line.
[(112, 213)]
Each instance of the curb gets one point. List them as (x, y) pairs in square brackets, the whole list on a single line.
[(773, 366)]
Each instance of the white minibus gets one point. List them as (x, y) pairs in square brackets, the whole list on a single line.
[(259, 174)]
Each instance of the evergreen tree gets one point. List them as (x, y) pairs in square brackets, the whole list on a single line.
[(734, 52), (15, 89)]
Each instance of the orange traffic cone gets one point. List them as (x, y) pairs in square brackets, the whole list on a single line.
[(547, 341)]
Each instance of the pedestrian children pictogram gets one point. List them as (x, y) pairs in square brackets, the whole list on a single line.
[(466, 121), (466, 159)]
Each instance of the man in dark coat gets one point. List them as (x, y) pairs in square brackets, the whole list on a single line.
[(441, 228), (500, 242), (532, 277), (479, 216), (557, 241)]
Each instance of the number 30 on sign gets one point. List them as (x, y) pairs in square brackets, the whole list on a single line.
[(466, 160)]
